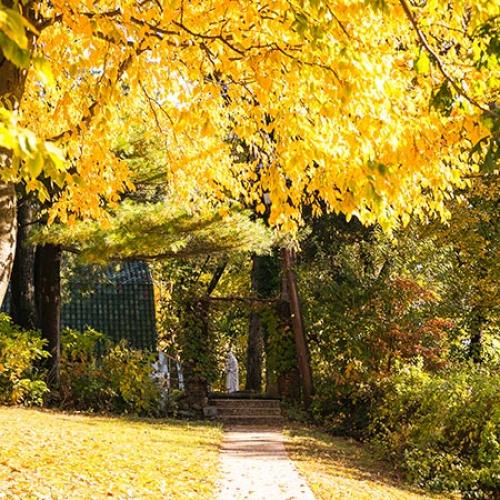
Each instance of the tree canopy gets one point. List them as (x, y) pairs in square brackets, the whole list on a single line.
[(186, 132), (159, 231), (367, 108)]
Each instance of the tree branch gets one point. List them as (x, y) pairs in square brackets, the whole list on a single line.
[(225, 41), (437, 60), (216, 277), (91, 110), (242, 299)]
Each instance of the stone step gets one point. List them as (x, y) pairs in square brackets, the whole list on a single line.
[(245, 403), (252, 420), (240, 395), (245, 410)]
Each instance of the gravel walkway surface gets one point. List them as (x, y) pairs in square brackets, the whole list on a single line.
[(255, 465)]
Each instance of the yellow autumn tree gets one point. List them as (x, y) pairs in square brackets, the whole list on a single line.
[(361, 107)]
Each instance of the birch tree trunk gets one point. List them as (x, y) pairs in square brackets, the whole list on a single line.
[(11, 89), (8, 228)]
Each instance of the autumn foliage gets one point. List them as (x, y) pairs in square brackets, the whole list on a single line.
[(371, 116), (339, 103)]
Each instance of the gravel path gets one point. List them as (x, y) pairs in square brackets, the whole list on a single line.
[(255, 465)]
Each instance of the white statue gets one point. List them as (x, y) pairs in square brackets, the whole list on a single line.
[(161, 372), (180, 375), (232, 373)]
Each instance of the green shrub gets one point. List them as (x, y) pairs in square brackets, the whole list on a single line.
[(129, 374), (343, 408), (21, 381), (117, 381), (83, 386), (443, 428)]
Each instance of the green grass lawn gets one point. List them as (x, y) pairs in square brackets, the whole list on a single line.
[(44, 454), (339, 469)]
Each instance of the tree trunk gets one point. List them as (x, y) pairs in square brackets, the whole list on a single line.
[(48, 290), (255, 338), (476, 338), (12, 81), (254, 354), (288, 261), (22, 306), (8, 226)]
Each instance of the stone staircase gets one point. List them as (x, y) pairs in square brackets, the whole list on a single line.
[(246, 411)]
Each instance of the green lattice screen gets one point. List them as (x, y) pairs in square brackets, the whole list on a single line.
[(120, 306), (121, 311)]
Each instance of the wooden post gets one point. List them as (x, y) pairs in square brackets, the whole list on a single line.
[(288, 260)]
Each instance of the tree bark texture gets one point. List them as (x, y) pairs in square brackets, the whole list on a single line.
[(476, 337), (22, 305), (48, 289), (255, 344), (12, 81), (8, 227), (303, 358), (254, 354)]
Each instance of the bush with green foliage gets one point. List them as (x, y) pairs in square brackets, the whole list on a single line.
[(128, 372), (117, 380), (343, 408), (83, 383), (21, 379), (443, 428)]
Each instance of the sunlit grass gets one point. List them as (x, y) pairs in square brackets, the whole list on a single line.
[(339, 469), (54, 455)]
